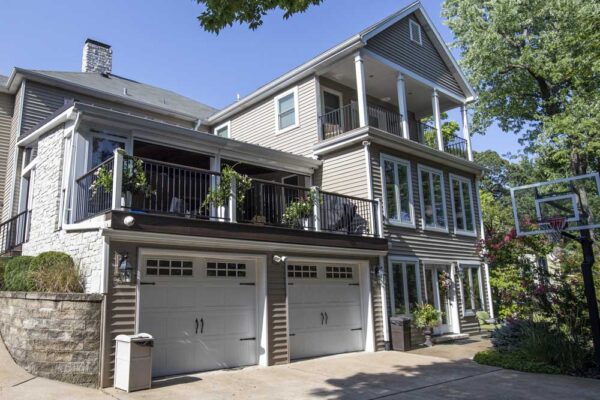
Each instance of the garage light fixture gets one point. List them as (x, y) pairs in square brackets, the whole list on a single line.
[(125, 269), (279, 259)]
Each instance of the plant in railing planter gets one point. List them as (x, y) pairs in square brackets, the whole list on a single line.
[(426, 317), (134, 180), (220, 195), (298, 212)]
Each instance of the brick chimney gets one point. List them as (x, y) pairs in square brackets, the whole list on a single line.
[(97, 57)]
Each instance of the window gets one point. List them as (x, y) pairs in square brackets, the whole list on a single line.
[(286, 110), (103, 148), (397, 187), (472, 288), (302, 271), (226, 270), (223, 130), (405, 286), (433, 201), (338, 272), (462, 205), (157, 267), (415, 32)]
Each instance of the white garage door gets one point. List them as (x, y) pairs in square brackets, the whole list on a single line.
[(202, 313), (325, 309)]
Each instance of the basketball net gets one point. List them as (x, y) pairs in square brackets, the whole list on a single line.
[(553, 227)]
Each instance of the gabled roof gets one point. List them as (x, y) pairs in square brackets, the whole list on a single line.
[(343, 49), (3, 80), (117, 88)]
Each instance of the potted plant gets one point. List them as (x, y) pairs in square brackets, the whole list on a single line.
[(426, 317), (221, 193), (298, 213)]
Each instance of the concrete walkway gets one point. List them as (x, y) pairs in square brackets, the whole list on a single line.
[(442, 372)]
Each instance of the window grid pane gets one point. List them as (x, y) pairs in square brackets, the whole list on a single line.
[(390, 190), (178, 268)]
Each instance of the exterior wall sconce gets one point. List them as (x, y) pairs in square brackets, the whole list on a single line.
[(125, 269)]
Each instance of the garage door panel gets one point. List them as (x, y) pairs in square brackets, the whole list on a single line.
[(155, 297), (181, 297), (344, 316), (181, 326), (306, 318)]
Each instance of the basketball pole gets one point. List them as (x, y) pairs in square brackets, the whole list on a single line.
[(587, 247)]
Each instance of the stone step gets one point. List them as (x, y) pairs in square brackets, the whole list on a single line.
[(449, 337)]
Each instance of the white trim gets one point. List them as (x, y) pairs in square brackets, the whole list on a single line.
[(330, 91), (403, 260), (467, 267), (411, 209), (106, 264), (430, 171), (412, 24), (462, 179), (276, 100), (384, 304), (261, 317), (366, 145), (361, 89), (225, 125), (488, 290)]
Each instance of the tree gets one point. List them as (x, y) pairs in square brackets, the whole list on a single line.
[(219, 14), (449, 129)]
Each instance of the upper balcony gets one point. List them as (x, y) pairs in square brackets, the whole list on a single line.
[(364, 91), (147, 187)]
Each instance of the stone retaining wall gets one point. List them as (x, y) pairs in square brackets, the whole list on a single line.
[(56, 336)]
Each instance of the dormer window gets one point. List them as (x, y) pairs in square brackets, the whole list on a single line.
[(415, 32), (223, 130)]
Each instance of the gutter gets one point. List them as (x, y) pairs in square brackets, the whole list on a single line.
[(67, 115)]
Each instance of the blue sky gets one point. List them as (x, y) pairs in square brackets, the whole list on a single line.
[(161, 43)]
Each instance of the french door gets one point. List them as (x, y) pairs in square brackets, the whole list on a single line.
[(438, 295)]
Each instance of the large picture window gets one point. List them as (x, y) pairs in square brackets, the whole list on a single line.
[(405, 286), (472, 288), (396, 183), (462, 205), (286, 110), (433, 201)]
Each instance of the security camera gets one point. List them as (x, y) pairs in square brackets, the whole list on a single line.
[(129, 221)]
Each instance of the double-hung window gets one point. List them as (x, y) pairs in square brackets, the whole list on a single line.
[(397, 188), (286, 110), (472, 288), (405, 286), (462, 205), (433, 200)]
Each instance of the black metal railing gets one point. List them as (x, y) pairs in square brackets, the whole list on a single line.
[(93, 197), (427, 135), (456, 145), (345, 119), (339, 121), (14, 232), (276, 204), (348, 215), (171, 189)]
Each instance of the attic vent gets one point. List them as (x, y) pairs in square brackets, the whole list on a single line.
[(415, 32)]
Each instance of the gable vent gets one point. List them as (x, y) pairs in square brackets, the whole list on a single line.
[(415, 32)]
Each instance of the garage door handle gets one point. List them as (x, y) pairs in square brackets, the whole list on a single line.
[(196, 326), (356, 329), (201, 325), (147, 283), (326, 318), (247, 338), (322, 318)]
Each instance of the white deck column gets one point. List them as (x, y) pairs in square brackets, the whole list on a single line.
[(466, 132), (117, 179), (402, 108), (361, 90), (437, 119)]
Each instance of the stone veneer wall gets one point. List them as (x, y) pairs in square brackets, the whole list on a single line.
[(85, 247), (55, 336)]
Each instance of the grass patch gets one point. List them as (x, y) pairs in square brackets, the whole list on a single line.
[(514, 360)]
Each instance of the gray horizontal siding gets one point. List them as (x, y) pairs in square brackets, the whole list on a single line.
[(6, 115), (345, 173), (12, 162), (418, 242), (394, 44), (257, 124)]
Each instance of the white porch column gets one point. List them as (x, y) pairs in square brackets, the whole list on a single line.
[(361, 90), (466, 132), (117, 179), (402, 109), (437, 119)]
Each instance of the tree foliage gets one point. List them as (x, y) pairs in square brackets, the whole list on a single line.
[(219, 14), (535, 65)]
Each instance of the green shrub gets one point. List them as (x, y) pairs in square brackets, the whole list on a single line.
[(3, 262), (515, 360), (55, 272), (17, 275), (510, 336), (426, 316)]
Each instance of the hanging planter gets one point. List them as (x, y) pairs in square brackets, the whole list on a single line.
[(445, 281), (219, 196), (298, 213)]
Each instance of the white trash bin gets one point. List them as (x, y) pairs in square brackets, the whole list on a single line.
[(133, 362)]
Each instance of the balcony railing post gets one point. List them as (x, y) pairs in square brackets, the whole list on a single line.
[(117, 179), (378, 218), (233, 202), (316, 198)]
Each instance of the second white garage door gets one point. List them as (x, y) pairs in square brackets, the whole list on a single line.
[(324, 309), (202, 313)]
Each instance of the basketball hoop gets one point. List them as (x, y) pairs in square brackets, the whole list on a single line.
[(553, 227)]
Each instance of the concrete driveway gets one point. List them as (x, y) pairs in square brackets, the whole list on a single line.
[(443, 372)]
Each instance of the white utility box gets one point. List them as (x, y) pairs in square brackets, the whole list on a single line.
[(133, 362)]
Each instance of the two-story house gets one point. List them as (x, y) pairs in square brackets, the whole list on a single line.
[(351, 208)]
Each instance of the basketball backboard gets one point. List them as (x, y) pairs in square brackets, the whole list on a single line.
[(536, 204)]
